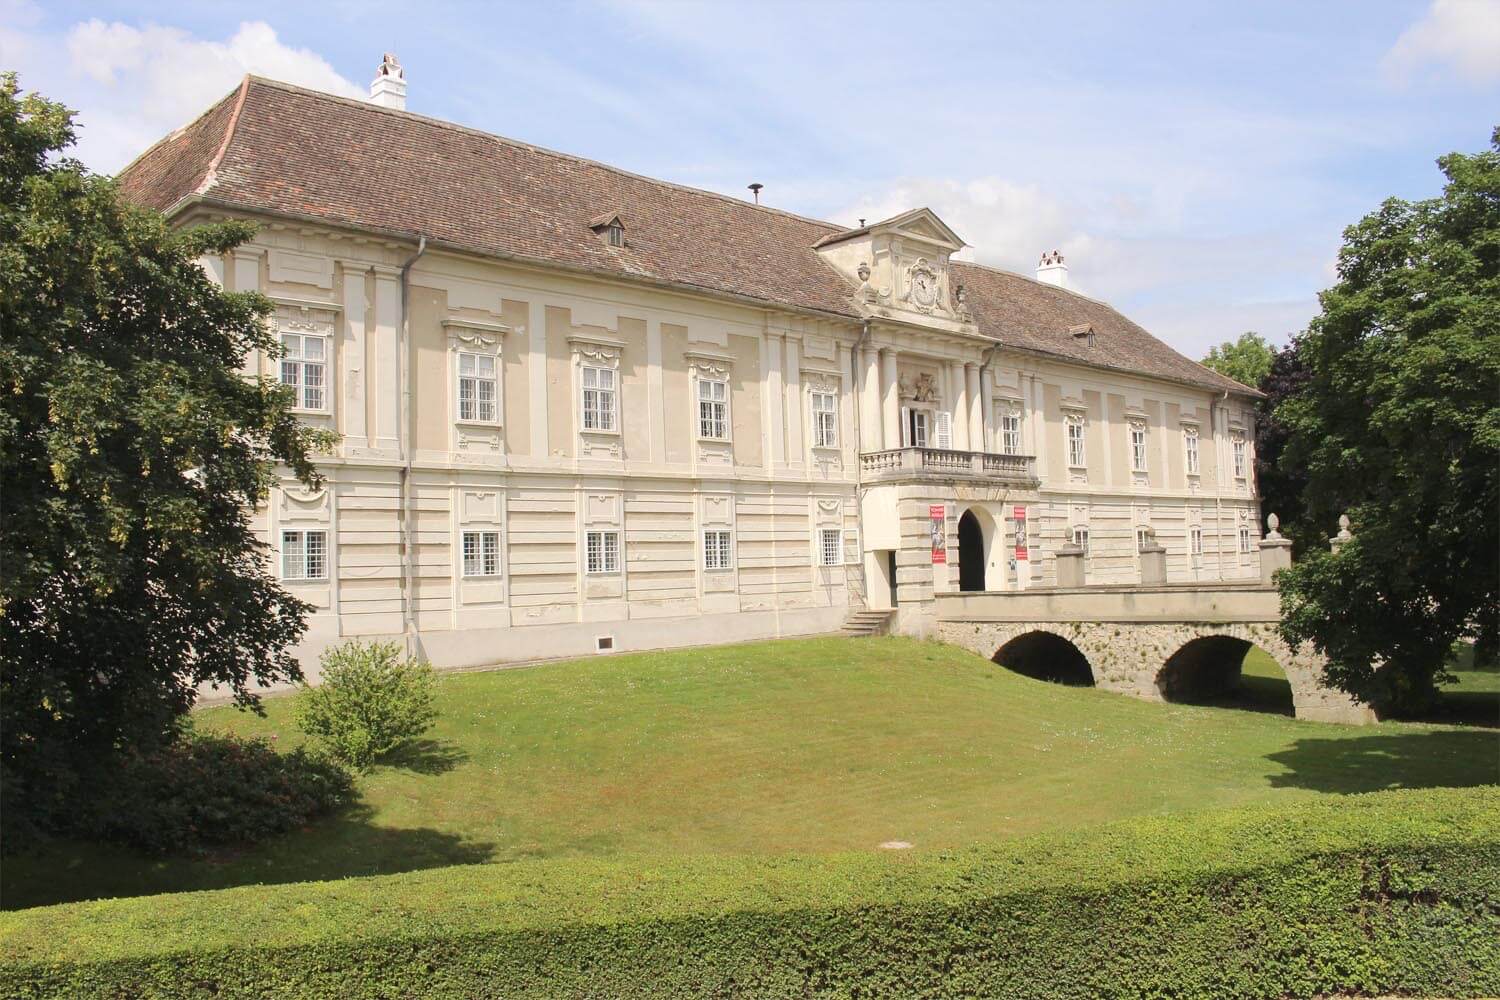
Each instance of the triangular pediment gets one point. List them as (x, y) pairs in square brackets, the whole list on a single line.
[(923, 224), (918, 224)]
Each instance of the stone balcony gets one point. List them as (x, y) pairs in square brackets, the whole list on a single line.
[(896, 464)]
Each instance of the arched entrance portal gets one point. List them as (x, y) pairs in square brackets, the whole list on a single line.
[(1046, 656), (1228, 672), (971, 555)]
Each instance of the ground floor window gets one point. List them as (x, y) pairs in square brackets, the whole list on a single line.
[(304, 555), (1195, 540), (716, 550), (831, 547), (1081, 537), (481, 553), (1245, 540), (602, 552)]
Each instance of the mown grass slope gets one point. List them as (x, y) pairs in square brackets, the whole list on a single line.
[(805, 746)]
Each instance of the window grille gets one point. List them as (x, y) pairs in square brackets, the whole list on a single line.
[(304, 367), (477, 388), (716, 550), (830, 547), (713, 408), (602, 551), (304, 555), (598, 398), (481, 553)]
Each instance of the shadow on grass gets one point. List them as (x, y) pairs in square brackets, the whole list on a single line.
[(1271, 695), (427, 757), (347, 845), (1416, 758)]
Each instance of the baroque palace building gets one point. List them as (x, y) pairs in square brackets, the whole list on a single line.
[(583, 410)]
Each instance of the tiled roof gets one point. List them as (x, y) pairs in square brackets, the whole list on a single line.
[(1043, 319), (271, 147)]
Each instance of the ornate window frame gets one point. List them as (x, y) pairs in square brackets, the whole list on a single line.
[(821, 383), (606, 353), (1008, 408), (485, 339), (319, 320)]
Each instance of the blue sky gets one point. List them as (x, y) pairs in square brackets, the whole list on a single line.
[(1195, 162)]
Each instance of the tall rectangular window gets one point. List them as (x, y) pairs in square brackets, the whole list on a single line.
[(1195, 540), (477, 387), (304, 555), (1142, 537), (481, 553), (1081, 537), (825, 410), (1190, 447), (1245, 540), (1010, 433), (830, 547), (920, 426), (1239, 458), (1138, 447), (713, 408), (598, 398), (716, 550), (1076, 456), (602, 552), (304, 367)]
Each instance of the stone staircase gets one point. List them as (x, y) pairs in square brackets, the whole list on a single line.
[(866, 623)]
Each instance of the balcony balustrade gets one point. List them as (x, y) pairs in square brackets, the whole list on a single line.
[(944, 463)]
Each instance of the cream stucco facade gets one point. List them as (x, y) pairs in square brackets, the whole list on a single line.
[(577, 410), (821, 513)]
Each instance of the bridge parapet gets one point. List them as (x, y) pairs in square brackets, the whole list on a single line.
[(1221, 602)]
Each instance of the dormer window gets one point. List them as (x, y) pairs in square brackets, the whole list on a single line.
[(610, 228), (1084, 333)]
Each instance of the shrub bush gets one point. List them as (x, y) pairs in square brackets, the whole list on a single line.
[(211, 791), (371, 700), (1391, 892)]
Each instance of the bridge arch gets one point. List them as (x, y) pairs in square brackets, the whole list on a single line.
[(1046, 656), (1210, 669), (1130, 656)]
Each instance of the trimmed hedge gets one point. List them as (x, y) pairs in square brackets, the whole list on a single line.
[(1393, 892)]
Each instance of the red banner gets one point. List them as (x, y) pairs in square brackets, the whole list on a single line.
[(1018, 514), (938, 514)]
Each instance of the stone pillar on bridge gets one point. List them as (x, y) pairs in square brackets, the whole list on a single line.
[(1275, 551), (1153, 560), (1345, 535), (1070, 565)]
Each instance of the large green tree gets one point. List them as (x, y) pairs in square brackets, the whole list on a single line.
[(132, 452), (1246, 360), (1398, 424)]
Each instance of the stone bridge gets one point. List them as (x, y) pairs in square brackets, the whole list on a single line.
[(1160, 642)]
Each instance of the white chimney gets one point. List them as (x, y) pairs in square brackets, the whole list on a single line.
[(388, 89), (1052, 270)]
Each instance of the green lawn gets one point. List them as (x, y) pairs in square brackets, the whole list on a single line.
[(795, 746)]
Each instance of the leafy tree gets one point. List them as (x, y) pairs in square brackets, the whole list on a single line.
[(1281, 482), (1246, 360), (1398, 425), (132, 452)]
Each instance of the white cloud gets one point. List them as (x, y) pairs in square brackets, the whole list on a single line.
[(1463, 35), (136, 84)]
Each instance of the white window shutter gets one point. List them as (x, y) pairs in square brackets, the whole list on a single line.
[(945, 429), (906, 427)]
